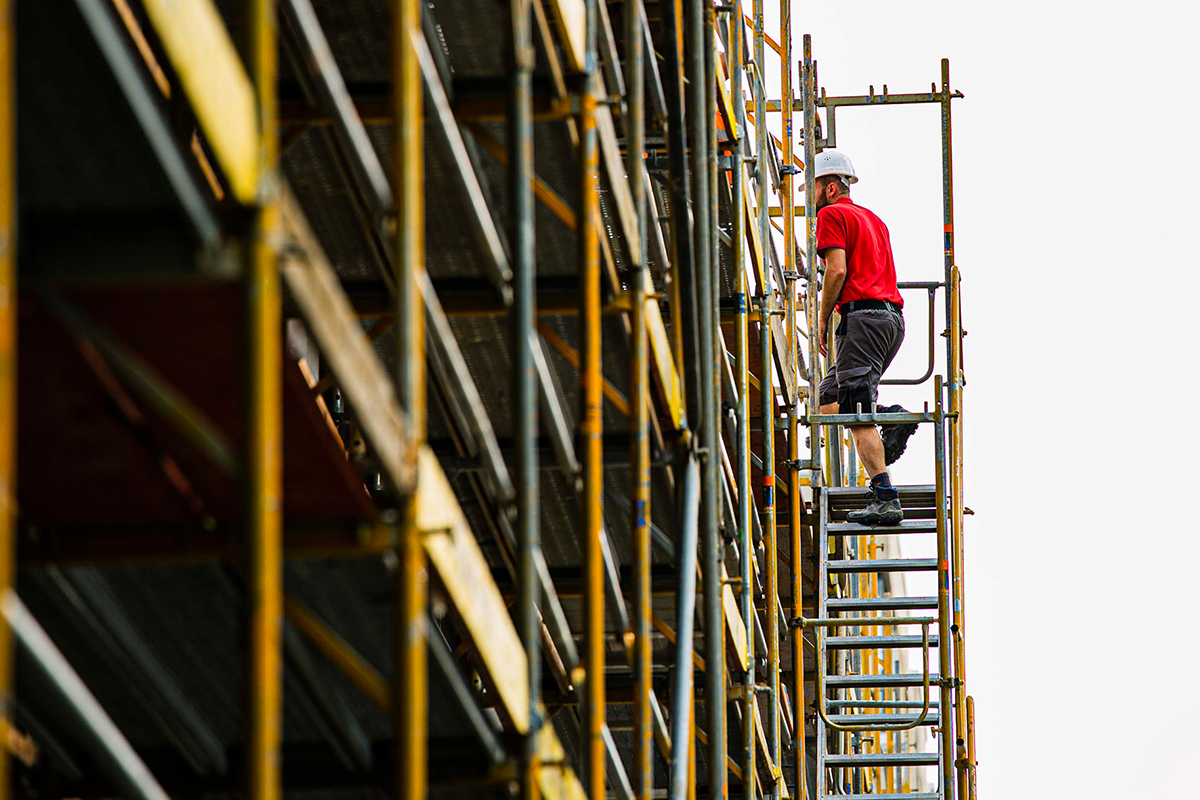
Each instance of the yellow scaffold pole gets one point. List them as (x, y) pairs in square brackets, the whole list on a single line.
[(264, 430), (591, 417), (410, 709)]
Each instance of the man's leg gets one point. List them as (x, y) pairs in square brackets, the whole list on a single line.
[(884, 508), (866, 440), (870, 449), (860, 361), (857, 389), (896, 435)]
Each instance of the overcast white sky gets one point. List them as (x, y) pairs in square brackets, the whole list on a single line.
[(1075, 177)]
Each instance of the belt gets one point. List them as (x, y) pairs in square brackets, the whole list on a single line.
[(864, 305)]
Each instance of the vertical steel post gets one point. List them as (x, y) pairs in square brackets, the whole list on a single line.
[(762, 139), (691, 751), (683, 731), (591, 416), (410, 687), (954, 396), (957, 543), (946, 718), (970, 795), (682, 768), (635, 134), (766, 381), (698, 283), (811, 298), (795, 500), (766, 388), (8, 362), (785, 183), (264, 430), (525, 391), (742, 357), (699, 41), (708, 286), (683, 303)]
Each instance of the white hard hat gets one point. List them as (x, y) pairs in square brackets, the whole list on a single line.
[(831, 162)]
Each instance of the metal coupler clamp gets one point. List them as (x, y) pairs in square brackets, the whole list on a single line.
[(791, 275)]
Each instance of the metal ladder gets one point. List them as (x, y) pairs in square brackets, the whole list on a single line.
[(870, 718), (871, 710)]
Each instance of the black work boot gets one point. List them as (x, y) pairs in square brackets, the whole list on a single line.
[(895, 435), (879, 512)]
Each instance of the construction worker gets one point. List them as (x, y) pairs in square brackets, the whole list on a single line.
[(860, 281)]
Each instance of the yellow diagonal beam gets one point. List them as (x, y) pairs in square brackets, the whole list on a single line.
[(215, 82)]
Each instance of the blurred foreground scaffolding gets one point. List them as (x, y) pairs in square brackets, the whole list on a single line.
[(376, 420)]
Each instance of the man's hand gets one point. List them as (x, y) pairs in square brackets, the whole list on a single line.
[(823, 337)]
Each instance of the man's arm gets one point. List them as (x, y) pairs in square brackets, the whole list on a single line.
[(835, 276)]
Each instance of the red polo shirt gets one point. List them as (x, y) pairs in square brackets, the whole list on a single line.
[(870, 271)]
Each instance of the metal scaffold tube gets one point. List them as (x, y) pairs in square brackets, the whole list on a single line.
[(742, 411), (970, 795), (767, 392), (410, 709), (525, 390), (704, 115), (8, 366), (682, 728), (591, 417), (792, 273), (811, 301), (684, 295), (955, 457), (761, 140), (264, 431), (99, 736), (770, 544), (680, 198), (643, 739), (947, 776)]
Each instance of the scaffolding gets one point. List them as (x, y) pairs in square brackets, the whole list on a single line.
[(431, 301)]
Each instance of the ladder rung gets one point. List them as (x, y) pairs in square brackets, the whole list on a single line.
[(885, 565), (882, 760), (862, 491), (876, 642), (907, 526), (879, 603), (895, 796), (911, 513), (880, 681), (851, 496), (909, 704), (885, 720)]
